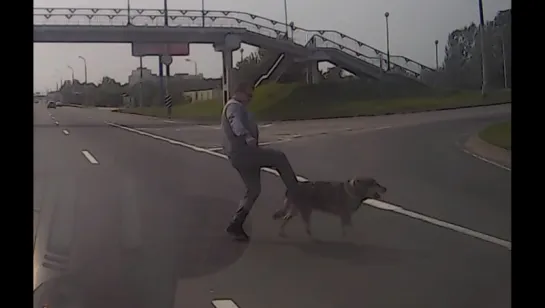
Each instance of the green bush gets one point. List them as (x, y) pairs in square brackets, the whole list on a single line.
[(327, 100)]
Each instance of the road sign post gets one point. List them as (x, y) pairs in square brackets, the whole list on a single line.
[(168, 104)]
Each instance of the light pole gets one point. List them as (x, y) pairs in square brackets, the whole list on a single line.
[(194, 63), (166, 24), (84, 67), (436, 55), (241, 54), (286, 16), (72, 84), (72, 69), (484, 88), (85, 84), (202, 8), (59, 75), (504, 61), (387, 40)]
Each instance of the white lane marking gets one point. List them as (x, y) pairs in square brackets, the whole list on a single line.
[(382, 205), (460, 229), (90, 157), (224, 303), (487, 160), (64, 131), (56, 123), (211, 126), (371, 202)]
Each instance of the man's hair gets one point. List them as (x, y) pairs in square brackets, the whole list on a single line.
[(243, 87)]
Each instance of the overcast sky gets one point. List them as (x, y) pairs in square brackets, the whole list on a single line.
[(414, 26)]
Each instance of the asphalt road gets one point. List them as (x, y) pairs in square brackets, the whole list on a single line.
[(139, 218)]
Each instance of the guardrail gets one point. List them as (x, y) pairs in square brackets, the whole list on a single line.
[(231, 19)]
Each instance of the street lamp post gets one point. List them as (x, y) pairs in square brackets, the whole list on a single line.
[(387, 40), (84, 67), (72, 69), (505, 84), (436, 55), (286, 16), (85, 72), (241, 54), (202, 8), (166, 24), (72, 84), (484, 74)]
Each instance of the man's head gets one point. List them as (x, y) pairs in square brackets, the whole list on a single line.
[(243, 92)]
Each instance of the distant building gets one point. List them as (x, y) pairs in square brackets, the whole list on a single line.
[(147, 75), (203, 94)]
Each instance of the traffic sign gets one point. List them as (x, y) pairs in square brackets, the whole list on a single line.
[(166, 59)]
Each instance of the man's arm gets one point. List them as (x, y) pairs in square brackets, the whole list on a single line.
[(235, 116)]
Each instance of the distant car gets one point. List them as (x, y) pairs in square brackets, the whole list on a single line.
[(58, 104), (51, 104)]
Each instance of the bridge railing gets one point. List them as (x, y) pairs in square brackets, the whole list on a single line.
[(231, 19)]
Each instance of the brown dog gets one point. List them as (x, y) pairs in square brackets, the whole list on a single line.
[(337, 198)]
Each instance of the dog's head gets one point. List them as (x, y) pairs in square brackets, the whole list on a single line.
[(366, 188)]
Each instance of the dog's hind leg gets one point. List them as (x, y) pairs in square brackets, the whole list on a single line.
[(305, 215), (346, 223), (290, 212), (282, 232)]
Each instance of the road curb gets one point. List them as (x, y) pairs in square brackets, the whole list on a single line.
[(488, 152)]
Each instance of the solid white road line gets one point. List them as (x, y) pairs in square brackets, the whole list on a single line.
[(487, 160), (373, 203), (90, 157), (224, 303), (64, 131)]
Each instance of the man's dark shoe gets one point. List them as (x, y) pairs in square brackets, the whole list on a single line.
[(235, 229)]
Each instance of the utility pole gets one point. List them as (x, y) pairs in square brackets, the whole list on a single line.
[(484, 71)]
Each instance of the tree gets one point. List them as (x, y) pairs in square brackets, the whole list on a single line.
[(462, 63)]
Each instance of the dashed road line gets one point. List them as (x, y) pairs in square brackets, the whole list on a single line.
[(90, 157), (224, 303), (370, 202), (66, 132), (57, 123)]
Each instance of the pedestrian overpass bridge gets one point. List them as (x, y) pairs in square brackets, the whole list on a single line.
[(226, 30)]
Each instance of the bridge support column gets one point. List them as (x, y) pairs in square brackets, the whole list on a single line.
[(313, 73), (231, 43)]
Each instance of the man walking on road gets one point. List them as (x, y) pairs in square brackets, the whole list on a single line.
[(241, 145)]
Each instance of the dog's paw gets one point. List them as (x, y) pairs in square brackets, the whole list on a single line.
[(279, 214)]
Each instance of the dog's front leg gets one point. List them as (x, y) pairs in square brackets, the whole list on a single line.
[(346, 224), (286, 220)]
